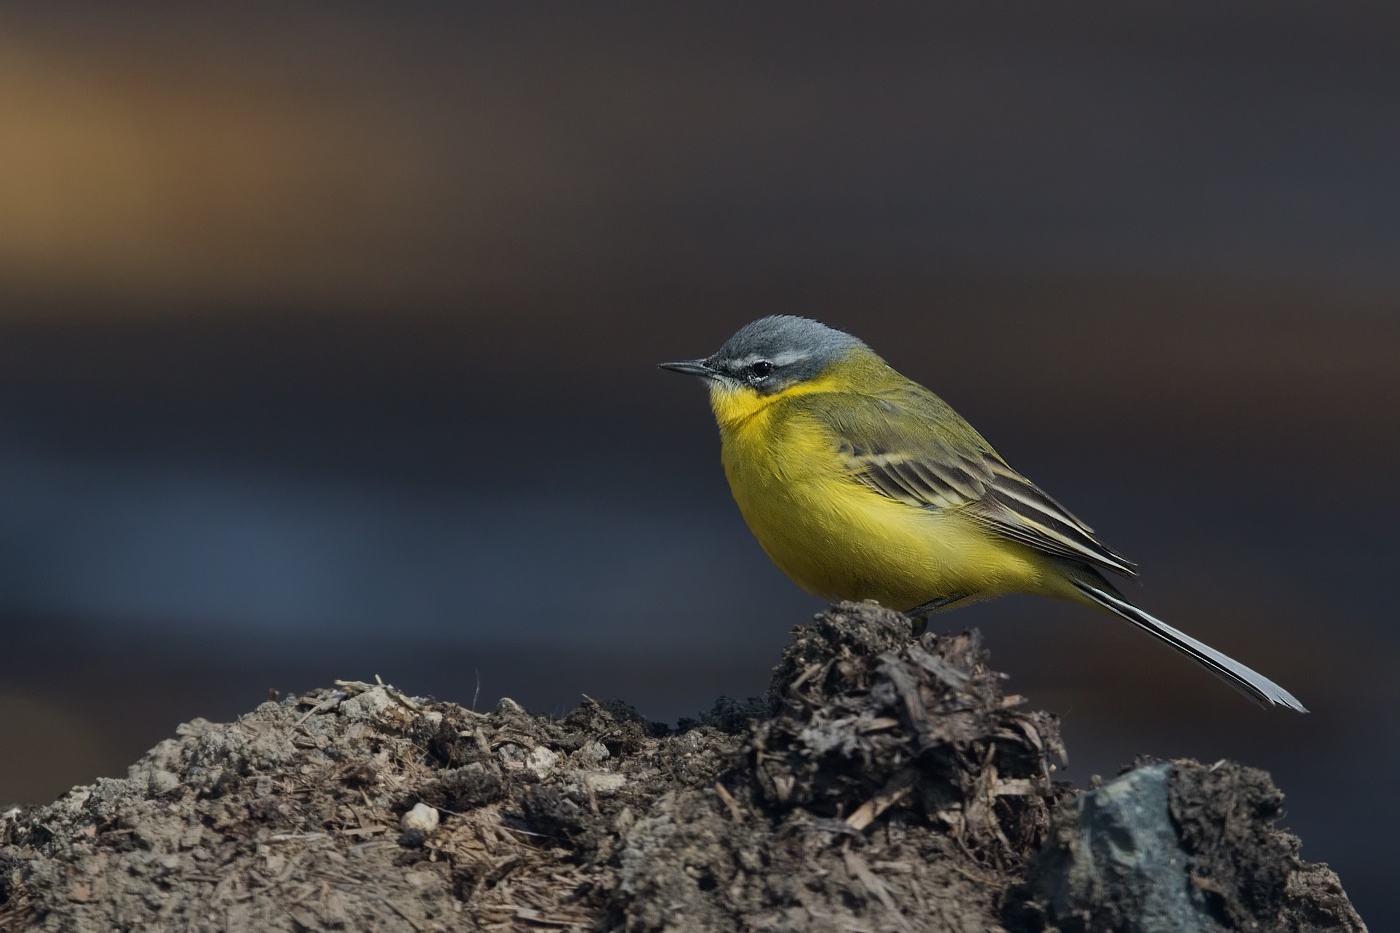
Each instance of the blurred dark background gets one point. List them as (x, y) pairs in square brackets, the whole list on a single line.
[(327, 341)]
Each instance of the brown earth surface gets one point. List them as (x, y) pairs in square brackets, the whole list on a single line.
[(884, 784)]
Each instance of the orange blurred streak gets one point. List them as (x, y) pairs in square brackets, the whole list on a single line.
[(171, 165)]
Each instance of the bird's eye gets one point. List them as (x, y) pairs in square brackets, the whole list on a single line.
[(762, 369)]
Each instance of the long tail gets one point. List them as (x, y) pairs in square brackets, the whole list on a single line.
[(1251, 683)]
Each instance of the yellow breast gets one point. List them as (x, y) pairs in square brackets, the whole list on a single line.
[(840, 539)]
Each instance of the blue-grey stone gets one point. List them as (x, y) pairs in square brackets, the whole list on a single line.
[(1120, 865)]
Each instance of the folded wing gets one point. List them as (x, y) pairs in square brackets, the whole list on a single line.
[(913, 448)]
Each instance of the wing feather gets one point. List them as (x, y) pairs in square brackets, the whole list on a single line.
[(908, 460)]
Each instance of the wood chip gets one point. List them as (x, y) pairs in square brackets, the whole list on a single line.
[(735, 811), (530, 915), (325, 705), (867, 812), (950, 675), (856, 867), (413, 922), (1018, 787)]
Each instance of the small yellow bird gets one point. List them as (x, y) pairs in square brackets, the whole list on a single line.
[(862, 484)]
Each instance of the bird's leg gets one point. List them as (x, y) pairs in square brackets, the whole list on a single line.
[(919, 614)]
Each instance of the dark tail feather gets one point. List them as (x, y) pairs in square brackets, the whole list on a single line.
[(1252, 684)]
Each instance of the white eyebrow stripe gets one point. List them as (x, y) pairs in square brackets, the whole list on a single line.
[(788, 357)]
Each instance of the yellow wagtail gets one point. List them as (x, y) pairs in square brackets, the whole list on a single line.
[(861, 484)]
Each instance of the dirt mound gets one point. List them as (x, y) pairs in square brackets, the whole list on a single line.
[(884, 784), (891, 781)]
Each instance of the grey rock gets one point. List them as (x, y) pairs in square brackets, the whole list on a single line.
[(1115, 862)]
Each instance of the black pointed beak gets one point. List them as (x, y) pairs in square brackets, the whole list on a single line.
[(691, 368)]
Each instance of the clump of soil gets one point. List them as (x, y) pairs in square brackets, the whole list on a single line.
[(1246, 869), (885, 783)]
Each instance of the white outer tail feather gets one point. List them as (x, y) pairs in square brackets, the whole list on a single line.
[(1251, 683)]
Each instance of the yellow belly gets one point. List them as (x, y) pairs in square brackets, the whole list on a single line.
[(840, 539)]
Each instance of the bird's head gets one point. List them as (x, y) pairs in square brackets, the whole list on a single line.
[(766, 358)]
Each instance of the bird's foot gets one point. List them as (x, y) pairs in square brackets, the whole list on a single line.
[(919, 614)]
